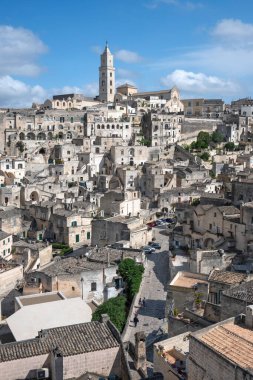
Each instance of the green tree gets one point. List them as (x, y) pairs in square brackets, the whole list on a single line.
[(131, 273), (116, 309), (205, 156), (203, 139), (217, 137), (229, 146)]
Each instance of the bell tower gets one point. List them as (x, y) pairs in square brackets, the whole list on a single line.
[(106, 76)]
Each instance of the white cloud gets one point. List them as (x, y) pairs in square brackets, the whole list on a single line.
[(128, 56), (187, 5), (15, 93), (199, 83), (233, 31), (19, 49)]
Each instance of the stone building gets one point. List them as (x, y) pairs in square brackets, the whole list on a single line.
[(161, 128), (170, 357), (222, 351), (100, 352), (78, 277), (127, 203), (117, 228), (69, 102), (5, 245), (233, 301)]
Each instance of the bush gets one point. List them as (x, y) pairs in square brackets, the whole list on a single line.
[(217, 137), (229, 146), (116, 309), (63, 247), (205, 156), (132, 275)]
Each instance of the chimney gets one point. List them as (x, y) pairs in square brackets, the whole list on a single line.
[(140, 361), (105, 318), (249, 317)]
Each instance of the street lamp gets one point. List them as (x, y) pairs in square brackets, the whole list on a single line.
[(82, 280)]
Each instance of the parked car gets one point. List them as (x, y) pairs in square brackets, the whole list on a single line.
[(148, 249), (155, 245)]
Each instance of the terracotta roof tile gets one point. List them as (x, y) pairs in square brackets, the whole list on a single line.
[(70, 340), (229, 278), (232, 341)]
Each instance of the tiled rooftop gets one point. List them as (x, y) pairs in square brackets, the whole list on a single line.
[(70, 340), (229, 278), (242, 292), (232, 341), (70, 265)]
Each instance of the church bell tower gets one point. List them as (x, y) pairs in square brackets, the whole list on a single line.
[(106, 76)]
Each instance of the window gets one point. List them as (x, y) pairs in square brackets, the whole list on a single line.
[(88, 235), (93, 286), (210, 226), (215, 215), (57, 104), (74, 224), (110, 74), (4, 242), (72, 120), (68, 152), (110, 82), (111, 91), (7, 166), (63, 104), (62, 120), (20, 166)]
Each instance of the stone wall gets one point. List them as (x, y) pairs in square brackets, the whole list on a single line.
[(23, 368), (212, 312), (9, 278), (203, 363), (104, 362), (231, 307)]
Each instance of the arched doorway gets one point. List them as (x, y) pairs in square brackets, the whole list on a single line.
[(30, 136), (34, 196), (42, 151)]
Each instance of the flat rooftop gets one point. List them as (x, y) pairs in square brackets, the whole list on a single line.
[(40, 298), (188, 282)]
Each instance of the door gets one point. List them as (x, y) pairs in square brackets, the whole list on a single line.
[(77, 238)]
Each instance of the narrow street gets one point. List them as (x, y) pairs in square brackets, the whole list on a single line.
[(154, 289)]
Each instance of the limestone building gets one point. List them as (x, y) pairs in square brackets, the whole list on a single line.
[(106, 76)]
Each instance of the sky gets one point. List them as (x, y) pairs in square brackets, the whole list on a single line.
[(204, 47)]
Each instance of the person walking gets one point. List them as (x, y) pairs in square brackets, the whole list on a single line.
[(136, 320), (144, 302), (140, 301)]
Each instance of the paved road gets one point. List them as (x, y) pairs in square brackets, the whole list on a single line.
[(154, 289)]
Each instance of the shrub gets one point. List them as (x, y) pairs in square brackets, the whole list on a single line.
[(229, 146), (116, 309), (205, 156), (131, 273)]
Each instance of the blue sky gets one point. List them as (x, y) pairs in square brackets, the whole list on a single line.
[(205, 47)]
